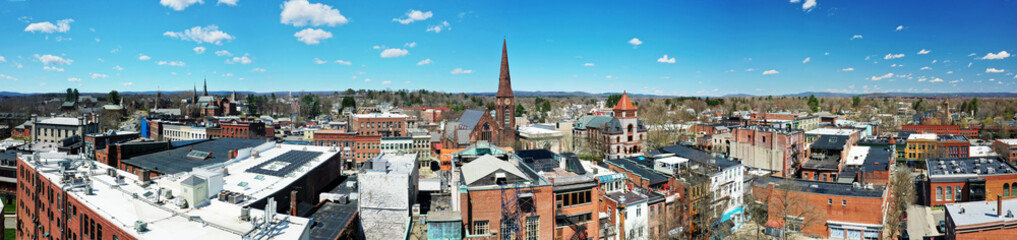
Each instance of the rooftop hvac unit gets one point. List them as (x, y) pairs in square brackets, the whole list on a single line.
[(223, 195), (416, 209), (140, 226), (245, 214)]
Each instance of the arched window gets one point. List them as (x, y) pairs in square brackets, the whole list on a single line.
[(1013, 190), (939, 193), (630, 127), (959, 192), (1006, 190), (949, 193)]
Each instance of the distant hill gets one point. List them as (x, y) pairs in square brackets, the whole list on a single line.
[(576, 94)]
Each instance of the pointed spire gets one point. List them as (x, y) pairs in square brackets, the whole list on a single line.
[(504, 80), (206, 87)]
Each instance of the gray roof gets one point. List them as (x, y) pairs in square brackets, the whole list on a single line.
[(192, 181), (968, 166), (831, 142), (175, 160), (638, 166), (700, 157), (471, 118), (981, 212), (485, 165), (332, 218), (594, 121), (825, 188)]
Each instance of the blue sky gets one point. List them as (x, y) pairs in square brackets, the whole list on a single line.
[(712, 48)]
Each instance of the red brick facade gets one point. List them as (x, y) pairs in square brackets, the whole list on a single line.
[(353, 148), (942, 130), (485, 205), (383, 125), (839, 208)]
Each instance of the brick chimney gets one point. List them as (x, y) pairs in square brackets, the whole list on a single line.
[(999, 205), (293, 202)]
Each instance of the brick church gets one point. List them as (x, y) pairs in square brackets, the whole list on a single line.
[(479, 125)]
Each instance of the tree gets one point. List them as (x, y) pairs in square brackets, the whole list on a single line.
[(113, 97), (76, 95), (348, 101), (813, 103), (70, 96), (790, 207), (520, 110), (973, 106), (855, 101), (310, 106), (903, 194), (613, 99), (917, 105)]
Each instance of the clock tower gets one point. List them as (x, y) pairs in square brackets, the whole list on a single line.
[(505, 103)]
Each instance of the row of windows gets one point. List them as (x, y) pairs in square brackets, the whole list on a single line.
[(532, 227), (949, 194), (572, 198)]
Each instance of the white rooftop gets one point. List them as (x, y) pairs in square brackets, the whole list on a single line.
[(1008, 141), (673, 160), (981, 151), (981, 212), (856, 156), (123, 204), (831, 131), (60, 121), (922, 136), (380, 115)]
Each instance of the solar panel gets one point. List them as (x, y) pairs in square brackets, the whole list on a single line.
[(283, 165)]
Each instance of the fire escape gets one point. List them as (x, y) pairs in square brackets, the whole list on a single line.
[(514, 214)]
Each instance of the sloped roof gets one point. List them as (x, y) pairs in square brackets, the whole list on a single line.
[(624, 103), (470, 118), (595, 121), (485, 165)]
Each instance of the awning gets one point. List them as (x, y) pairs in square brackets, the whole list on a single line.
[(774, 224)]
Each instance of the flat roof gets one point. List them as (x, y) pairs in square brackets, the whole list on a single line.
[(60, 121), (969, 166), (217, 220), (176, 160), (831, 131), (380, 115), (331, 218), (1008, 141), (857, 155), (922, 136), (825, 188), (830, 142), (951, 138), (981, 212), (637, 167), (626, 197), (700, 156)]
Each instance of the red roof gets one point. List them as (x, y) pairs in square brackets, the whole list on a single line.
[(624, 103)]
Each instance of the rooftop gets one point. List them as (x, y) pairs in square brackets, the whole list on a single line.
[(825, 188), (626, 197), (877, 159), (1008, 141), (968, 167), (112, 199), (981, 212), (943, 138), (381, 115), (832, 131), (60, 121), (639, 167), (332, 217), (701, 157), (180, 158), (830, 142), (922, 136), (857, 155)]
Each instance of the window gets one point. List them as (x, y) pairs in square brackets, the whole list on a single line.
[(843, 202), (958, 189), (949, 193), (1006, 190), (480, 227), (532, 228), (829, 201), (1013, 190), (639, 211), (939, 193)]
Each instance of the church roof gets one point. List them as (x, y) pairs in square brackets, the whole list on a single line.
[(471, 118), (624, 103)]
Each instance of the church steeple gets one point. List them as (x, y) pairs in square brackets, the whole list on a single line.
[(206, 87), (505, 111), (504, 80)]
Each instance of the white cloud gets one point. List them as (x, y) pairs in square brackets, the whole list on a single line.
[(199, 50), (143, 57), (936, 80), (179, 5), (770, 72), (893, 56), (319, 61), (901, 27), (127, 84), (376, 47), (438, 28), (52, 69), (609, 77), (53, 60), (969, 64), (847, 69), (98, 75), (258, 70), (172, 63), (807, 59), (856, 37), (925, 68), (394, 52), (8, 77), (414, 15), (312, 36), (2, 59), (949, 72), (228, 75), (875, 78), (367, 80), (73, 79), (424, 62), (300, 13), (896, 65), (664, 59), (227, 2), (118, 68), (347, 63), (796, 1), (461, 71), (386, 82), (241, 60), (923, 51), (199, 34), (410, 45), (47, 27), (635, 42), (995, 56), (223, 53), (993, 70), (591, 64), (808, 5), (750, 69)]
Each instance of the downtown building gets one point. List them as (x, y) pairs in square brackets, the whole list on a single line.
[(778, 150), (611, 137)]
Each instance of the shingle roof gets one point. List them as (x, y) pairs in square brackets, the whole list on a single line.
[(471, 118), (485, 165), (624, 103)]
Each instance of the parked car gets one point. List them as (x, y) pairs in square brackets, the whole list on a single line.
[(941, 227)]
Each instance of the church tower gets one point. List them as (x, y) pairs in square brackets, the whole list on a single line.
[(206, 87), (505, 110)]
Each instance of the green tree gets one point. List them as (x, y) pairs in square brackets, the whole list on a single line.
[(813, 103), (613, 99), (310, 105), (973, 106), (348, 101), (520, 110), (855, 101), (113, 97), (917, 105), (76, 95)]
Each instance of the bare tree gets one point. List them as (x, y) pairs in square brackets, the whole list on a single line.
[(902, 195), (788, 205)]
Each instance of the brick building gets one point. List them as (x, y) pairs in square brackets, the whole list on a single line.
[(354, 149), (981, 220), (828, 210), (98, 141), (942, 130), (473, 126), (620, 136), (382, 124), (576, 193), (498, 199), (972, 179), (772, 149), (244, 129), (1007, 148)]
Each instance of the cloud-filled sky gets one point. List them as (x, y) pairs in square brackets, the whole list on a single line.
[(665, 47)]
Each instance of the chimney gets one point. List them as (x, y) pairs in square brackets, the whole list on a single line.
[(999, 205), (293, 202)]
